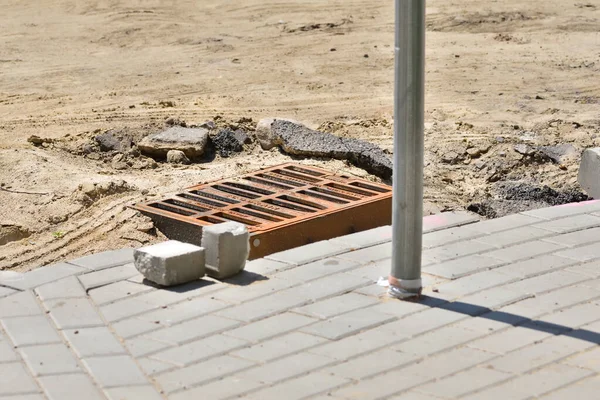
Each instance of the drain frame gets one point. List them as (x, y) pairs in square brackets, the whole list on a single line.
[(283, 207)]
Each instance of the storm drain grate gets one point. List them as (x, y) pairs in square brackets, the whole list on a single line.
[(283, 207)]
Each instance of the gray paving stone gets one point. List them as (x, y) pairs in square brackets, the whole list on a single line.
[(454, 250), (464, 382), (144, 302), (309, 253), (237, 294), (317, 269), (537, 355), (535, 384), (133, 393), (433, 342), (380, 386), (36, 396), (200, 350), (24, 331), (486, 323), (509, 340), (347, 324), (589, 360), (585, 389), (192, 308), (575, 316), (422, 322), (269, 327), (70, 387), (460, 267), (200, 373), (357, 345), (230, 386), (372, 290), (585, 253), (278, 347), (111, 371), (154, 367), (369, 254), (564, 210), (285, 368), (371, 364), (524, 251), (7, 352), (50, 273), (141, 346), (73, 313), (109, 275), (19, 304), (547, 282), (492, 299), (132, 327), (117, 291), (194, 329), (49, 359), (536, 266), (577, 238), (331, 285), (551, 301), (91, 342), (5, 291), (15, 379), (294, 297), (69, 287), (337, 305), (505, 223), (448, 363), (515, 236), (447, 220), (266, 267), (591, 269), (302, 387), (107, 259), (414, 395), (474, 283), (570, 224), (448, 236), (366, 238)]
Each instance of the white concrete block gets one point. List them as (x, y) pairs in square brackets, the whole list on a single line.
[(589, 172), (170, 263), (227, 247)]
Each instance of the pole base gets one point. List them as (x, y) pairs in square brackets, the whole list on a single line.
[(404, 288)]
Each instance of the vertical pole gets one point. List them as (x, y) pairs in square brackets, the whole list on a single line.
[(409, 99)]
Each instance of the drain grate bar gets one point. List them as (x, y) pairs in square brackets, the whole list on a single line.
[(283, 207)]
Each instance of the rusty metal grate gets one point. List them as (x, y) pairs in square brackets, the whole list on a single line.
[(283, 207)]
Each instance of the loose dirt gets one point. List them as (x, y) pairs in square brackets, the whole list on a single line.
[(500, 75)]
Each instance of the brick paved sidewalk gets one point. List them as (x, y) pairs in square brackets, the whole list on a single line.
[(511, 311)]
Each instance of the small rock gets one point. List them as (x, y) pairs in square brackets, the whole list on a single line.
[(113, 140), (38, 141), (191, 141), (524, 149), (227, 142), (589, 172), (177, 157), (450, 157), (208, 125), (118, 162), (266, 135), (558, 153), (172, 121)]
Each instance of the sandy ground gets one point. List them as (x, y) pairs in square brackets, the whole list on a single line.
[(499, 74)]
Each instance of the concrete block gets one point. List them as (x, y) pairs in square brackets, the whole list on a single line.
[(91, 342), (109, 275), (106, 259), (133, 393), (19, 304), (589, 172), (200, 350), (170, 263), (279, 347), (227, 246), (74, 313)]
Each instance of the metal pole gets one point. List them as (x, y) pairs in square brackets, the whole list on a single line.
[(409, 99)]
